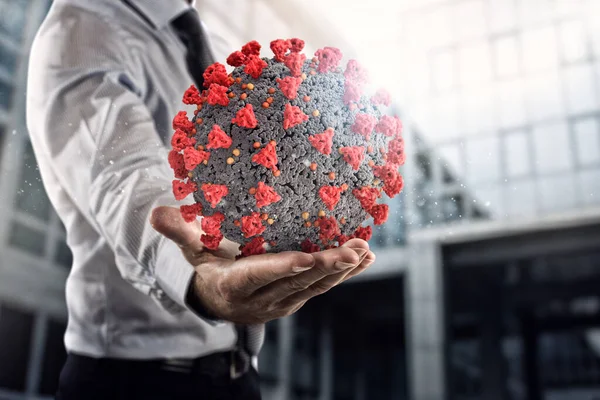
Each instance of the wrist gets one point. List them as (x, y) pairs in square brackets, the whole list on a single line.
[(196, 303)]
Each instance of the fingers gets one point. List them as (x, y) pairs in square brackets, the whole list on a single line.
[(263, 287), (367, 262), (169, 222), (356, 244), (328, 262), (330, 281), (249, 274)]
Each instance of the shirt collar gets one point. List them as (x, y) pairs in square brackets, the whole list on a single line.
[(161, 12)]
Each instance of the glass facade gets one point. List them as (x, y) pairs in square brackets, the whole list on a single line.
[(512, 102), (13, 17), (35, 258), (542, 314)]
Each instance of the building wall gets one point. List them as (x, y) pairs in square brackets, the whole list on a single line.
[(35, 259), (507, 92)]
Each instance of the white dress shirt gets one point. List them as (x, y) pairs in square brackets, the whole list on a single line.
[(106, 78)]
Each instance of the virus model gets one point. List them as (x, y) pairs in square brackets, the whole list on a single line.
[(286, 153)]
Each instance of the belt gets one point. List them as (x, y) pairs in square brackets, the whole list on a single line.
[(234, 363), (224, 365)]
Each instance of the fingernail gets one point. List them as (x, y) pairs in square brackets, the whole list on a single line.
[(340, 266), (301, 269), (361, 253)]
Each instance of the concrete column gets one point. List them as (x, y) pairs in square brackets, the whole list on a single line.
[(425, 323), (36, 356), (326, 357), (285, 349)]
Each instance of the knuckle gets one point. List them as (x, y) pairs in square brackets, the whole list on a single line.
[(287, 311), (291, 307), (295, 285), (226, 290), (320, 287), (265, 306), (252, 278), (348, 255)]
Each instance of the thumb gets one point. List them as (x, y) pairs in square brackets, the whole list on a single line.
[(169, 222)]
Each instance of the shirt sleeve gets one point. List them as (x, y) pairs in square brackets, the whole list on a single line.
[(87, 117)]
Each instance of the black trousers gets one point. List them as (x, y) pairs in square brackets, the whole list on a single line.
[(85, 378)]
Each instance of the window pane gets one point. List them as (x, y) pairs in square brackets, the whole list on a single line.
[(502, 15), (539, 49), (551, 148), (580, 89), (443, 68), (592, 21), (557, 193), (445, 122), (8, 59), (511, 104), (452, 159), (6, 92), (589, 184), (469, 19), (2, 129), (544, 96), (12, 17), (438, 28), (517, 154), (521, 198), (15, 337), (483, 160), (379, 236), (506, 56), (63, 256), (475, 63), (587, 141), (535, 11), (54, 357), (573, 43), (396, 227), (30, 240), (489, 200), (31, 196), (479, 110)]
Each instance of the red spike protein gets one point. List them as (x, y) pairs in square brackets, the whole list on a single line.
[(286, 153)]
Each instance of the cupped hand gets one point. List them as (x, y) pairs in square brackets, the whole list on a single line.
[(258, 288)]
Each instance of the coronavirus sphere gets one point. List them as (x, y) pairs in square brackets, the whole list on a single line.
[(286, 153)]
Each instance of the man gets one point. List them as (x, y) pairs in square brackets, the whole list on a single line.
[(151, 316)]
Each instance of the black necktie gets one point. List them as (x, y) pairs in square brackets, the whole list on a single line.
[(198, 56)]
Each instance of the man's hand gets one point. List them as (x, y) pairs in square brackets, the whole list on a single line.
[(260, 288)]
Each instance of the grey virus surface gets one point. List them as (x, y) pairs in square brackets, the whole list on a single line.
[(294, 218)]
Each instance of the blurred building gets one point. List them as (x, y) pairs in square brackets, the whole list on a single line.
[(486, 281), (34, 260)]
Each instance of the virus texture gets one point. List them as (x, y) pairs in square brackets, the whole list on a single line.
[(286, 153)]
